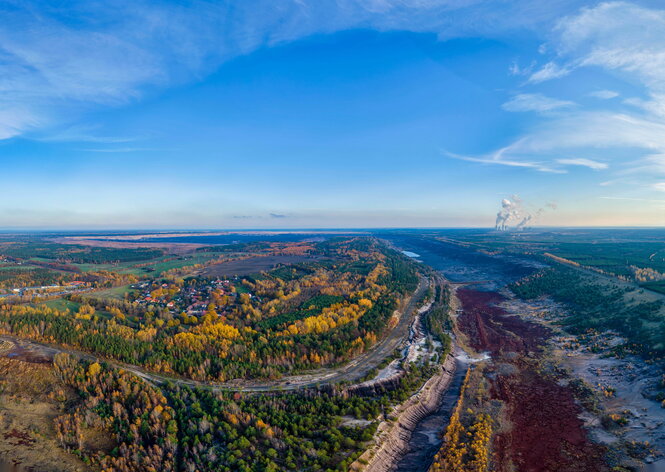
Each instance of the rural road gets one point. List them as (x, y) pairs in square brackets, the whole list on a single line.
[(353, 371)]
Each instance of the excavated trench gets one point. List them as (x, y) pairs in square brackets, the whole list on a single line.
[(426, 438), (395, 437), (544, 431)]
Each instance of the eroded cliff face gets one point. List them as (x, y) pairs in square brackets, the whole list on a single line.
[(392, 437)]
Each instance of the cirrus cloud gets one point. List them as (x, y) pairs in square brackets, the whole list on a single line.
[(60, 60), (590, 163), (619, 38), (535, 102), (604, 94)]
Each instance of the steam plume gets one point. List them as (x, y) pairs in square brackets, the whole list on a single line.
[(513, 214)]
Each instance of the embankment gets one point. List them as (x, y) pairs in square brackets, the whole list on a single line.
[(393, 436)]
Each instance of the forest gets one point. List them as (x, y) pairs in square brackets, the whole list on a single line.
[(178, 428), (600, 306), (291, 319), (33, 247), (636, 255), (321, 312), (467, 439), (12, 276)]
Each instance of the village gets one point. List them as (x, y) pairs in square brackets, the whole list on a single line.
[(193, 297)]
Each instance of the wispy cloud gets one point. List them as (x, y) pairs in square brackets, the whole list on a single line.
[(627, 40), (549, 71), (259, 217), (633, 199), (503, 157), (535, 102), (591, 164), (81, 133), (604, 94), (119, 150), (618, 36), (59, 60)]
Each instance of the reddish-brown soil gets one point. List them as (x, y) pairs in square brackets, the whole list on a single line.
[(489, 328), (19, 438), (545, 433), (28, 355)]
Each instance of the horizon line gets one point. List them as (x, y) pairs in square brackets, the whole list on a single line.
[(313, 229)]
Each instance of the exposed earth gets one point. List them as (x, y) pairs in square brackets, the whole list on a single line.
[(542, 430)]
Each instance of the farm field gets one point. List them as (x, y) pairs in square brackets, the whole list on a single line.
[(251, 265), (156, 265), (115, 293)]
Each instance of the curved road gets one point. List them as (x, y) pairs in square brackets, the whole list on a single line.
[(352, 371)]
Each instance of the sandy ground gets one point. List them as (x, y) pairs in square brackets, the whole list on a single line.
[(631, 380), (27, 437), (27, 412)]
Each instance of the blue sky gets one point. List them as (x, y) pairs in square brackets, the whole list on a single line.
[(291, 114)]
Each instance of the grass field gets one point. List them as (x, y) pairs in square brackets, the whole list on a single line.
[(62, 304), (16, 267), (116, 293), (188, 260), (123, 268), (158, 265)]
